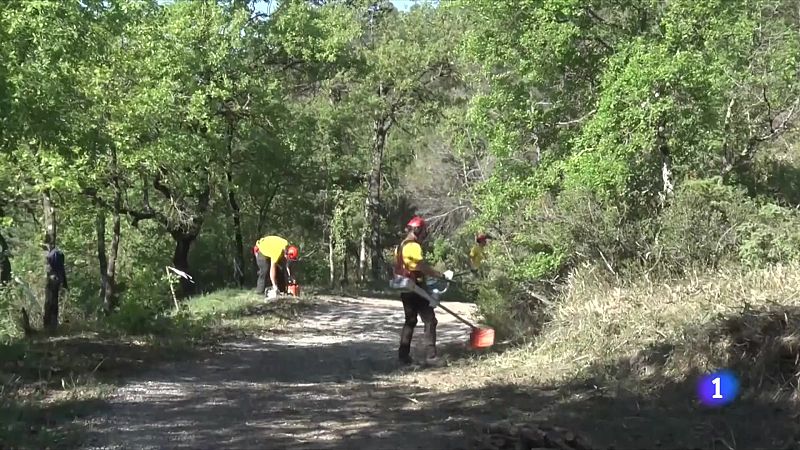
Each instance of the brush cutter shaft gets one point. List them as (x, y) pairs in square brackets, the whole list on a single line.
[(426, 294), (465, 321), (479, 338)]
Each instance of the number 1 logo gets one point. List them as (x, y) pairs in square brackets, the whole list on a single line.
[(717, 388), (717, 382)]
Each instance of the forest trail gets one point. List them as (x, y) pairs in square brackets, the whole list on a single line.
[(329, 382)]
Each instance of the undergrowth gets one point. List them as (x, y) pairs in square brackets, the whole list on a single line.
[(641, 336)]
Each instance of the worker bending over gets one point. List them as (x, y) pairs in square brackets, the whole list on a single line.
[(273, 256), (411, 269)]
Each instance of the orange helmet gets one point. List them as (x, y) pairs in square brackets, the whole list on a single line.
[(292, 253)]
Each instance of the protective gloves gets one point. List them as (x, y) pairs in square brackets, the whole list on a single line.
[(448, 274)]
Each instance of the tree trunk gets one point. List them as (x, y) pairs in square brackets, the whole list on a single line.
[(5, 262), (363, 259), (111, 295), (236, 213), (666, 178), (372, 238), (666, 166), (728, 154), (186, 232), (49, 220), (238, 239), (52, 287), (331, 259), (102, 258), (25, 323), (108, 262), (345, 265), (180, 260)]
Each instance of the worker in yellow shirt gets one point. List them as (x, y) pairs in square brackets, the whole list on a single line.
[(273, 254), (411, 267), (477, 252)]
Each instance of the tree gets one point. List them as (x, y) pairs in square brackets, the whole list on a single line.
[(396, 80), (42, 132), (171, 123)]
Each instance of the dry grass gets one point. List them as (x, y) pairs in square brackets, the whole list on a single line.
[(643, 335)]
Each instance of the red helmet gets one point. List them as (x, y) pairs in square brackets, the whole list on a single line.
[(482, 237), (292, 253), (416, 222)]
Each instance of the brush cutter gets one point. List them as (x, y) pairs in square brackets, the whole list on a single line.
[(479, 337)]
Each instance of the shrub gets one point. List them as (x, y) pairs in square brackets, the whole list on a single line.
[(138, 318), (701, 225), (771, 236), (706, 225), (8, 310)]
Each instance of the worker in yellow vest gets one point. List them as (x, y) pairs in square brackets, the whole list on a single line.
[(477, 253), (411, 268), (273, 255)]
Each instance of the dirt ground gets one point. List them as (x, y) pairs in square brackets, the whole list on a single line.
[(331, 381)]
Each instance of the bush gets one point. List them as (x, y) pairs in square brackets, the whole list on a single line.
[(511, 307), (8, 310), (138, 318), (577, 226), (645, 333), (701, 226), (771, 236), (706, 225)]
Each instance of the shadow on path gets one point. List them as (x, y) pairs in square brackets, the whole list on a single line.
[(327, 384), (333, 384)]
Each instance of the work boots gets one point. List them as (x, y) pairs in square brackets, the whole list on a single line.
[(404, 355), (434, 362)]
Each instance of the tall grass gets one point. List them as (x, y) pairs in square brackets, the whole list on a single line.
[(643, 334)]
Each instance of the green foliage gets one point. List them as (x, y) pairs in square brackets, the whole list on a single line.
[(770, 236), (702, 225), (8, 302), (138, 318), (593, 112), (621, 133)]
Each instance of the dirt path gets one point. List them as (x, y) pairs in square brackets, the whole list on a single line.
[(330, 382)]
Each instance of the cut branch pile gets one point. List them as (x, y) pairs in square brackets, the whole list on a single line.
[(507, 436)]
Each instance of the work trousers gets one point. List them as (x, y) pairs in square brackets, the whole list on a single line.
[(414, 305), (263, 274)]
